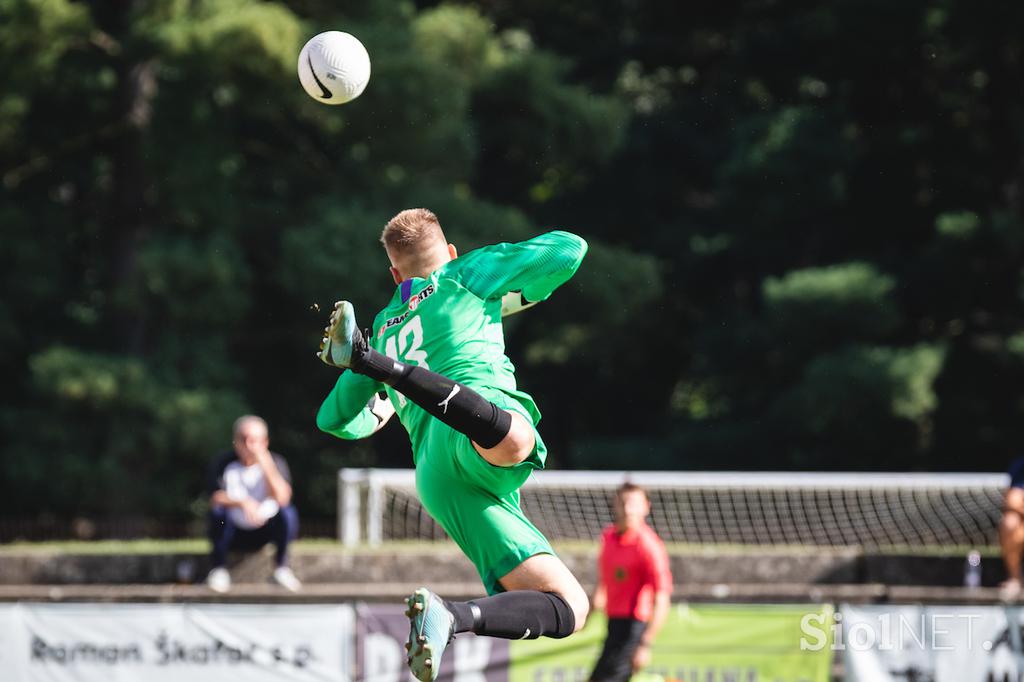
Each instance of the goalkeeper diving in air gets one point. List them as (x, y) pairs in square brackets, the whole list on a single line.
[(438, 351)]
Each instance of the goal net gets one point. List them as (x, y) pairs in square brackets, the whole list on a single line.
[(755, 508)]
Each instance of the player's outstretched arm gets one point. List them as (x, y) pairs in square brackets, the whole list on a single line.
[(535, 267)]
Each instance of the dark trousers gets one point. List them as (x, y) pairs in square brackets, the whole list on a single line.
[(616, 661), (280, 529)]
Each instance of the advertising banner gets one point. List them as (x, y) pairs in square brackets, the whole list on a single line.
[(175, 642), (698, 643), (930, 643)]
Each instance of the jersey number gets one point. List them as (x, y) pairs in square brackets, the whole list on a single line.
[(407, 344)]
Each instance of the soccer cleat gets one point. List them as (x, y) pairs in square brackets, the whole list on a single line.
[(342, 340), (431, 629)]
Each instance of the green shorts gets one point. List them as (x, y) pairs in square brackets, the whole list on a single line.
[(477, 503)]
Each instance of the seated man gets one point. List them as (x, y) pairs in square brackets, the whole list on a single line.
[(250, 504), (1011, 530)]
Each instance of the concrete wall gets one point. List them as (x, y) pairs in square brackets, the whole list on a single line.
[(447, 565)]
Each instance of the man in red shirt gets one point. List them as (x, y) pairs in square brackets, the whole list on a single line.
[(634, 587)]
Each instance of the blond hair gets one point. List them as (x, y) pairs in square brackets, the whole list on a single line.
[(412, 237)]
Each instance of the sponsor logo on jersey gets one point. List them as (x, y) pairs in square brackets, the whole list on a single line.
[(414, 303), (394, 321)]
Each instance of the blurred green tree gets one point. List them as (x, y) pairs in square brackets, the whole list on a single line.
[(807, 248), (168, 241)]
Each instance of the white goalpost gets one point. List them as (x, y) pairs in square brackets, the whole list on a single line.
[(746, 508)]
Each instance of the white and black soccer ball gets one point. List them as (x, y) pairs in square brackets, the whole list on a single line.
[(334, 67)]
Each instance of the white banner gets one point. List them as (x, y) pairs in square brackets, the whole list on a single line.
[(883, 643), (175, 642)]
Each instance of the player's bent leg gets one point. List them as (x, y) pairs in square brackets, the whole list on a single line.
[(547, 573), (455, 404), (515, 447), (502, 437), (543, 599), (516, 614), (451, 402)]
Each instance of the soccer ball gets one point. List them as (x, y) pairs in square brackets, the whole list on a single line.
[(334, 67)]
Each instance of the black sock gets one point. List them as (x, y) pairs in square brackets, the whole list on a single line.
[(457, 405), (375, 365), (463, 613), (520, 614)]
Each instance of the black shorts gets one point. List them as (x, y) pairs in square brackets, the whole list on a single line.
[(616, 661)]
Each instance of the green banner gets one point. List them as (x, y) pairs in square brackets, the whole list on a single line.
[(698, 643)]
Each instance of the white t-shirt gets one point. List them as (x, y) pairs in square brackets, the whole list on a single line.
[(240, 482)]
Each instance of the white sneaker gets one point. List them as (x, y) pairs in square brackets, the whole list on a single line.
[(219, 580), (284, 577)]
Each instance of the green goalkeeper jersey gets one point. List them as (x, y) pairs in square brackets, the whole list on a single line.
[(450, 323)]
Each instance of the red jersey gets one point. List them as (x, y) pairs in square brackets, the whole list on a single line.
[(633, 567)]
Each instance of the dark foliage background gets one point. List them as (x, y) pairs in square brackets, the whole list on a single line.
[(807, 245)]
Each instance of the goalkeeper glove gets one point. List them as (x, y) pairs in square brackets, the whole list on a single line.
[(513, 302), (382, 409)]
